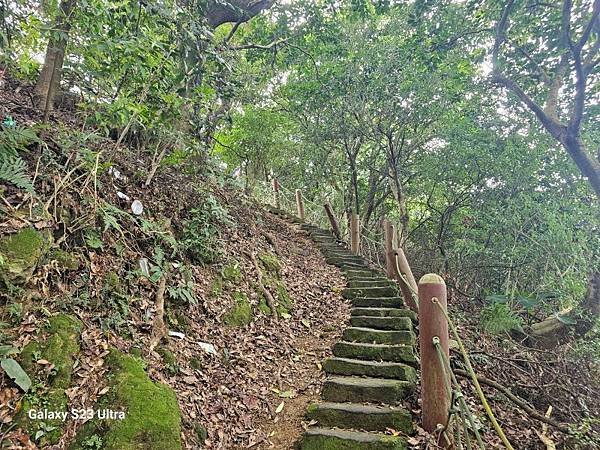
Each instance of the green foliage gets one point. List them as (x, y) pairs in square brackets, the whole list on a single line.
[(14, 370), (499, 318), (13, 168), (201, 231), (183, 288)]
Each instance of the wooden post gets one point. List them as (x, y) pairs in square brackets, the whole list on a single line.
[(276, 193), (299, 204), (332, 220), (401, 267), (432, 323), (355, 234), (390, 256)]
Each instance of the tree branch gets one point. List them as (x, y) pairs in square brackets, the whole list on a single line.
[(517, 400), (259, 46)]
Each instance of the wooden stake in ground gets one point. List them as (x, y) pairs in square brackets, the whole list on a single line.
[(355, 234), (390, 257), (276, 193), (432, 323), (333, 221), (299, 204), (404, 275)]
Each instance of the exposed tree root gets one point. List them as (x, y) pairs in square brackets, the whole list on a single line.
[(259, 277), (517, 400)]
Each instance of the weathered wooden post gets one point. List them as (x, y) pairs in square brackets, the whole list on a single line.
[(432, 323), (276, 193), (403, 271), (333, 221), (299, 204), (390, 257), (355, 234)]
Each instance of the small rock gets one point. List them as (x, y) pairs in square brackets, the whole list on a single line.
[(208, 348), (137, 208)]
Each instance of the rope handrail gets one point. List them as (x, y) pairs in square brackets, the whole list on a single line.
[(375, 251), (473, 376), (457, 395)]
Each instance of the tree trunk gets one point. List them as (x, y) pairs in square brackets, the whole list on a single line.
[(554, 331), (587, 165), (49, 80)]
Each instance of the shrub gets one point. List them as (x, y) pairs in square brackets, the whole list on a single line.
[(201, 232)]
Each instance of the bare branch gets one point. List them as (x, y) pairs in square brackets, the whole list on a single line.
[(232, 32), (589, 27), (259, 46), (501, 33)]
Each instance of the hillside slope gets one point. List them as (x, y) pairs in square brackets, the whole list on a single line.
[(75, 256)]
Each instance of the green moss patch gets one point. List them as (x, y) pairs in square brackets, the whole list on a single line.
[(20, 254), (270, 263), (232, 273), (65, 260), (241, 313), (60, 348), (216, 287), (152, 419)]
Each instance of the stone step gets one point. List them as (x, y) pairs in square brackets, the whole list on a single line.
[(384, 312), (345, 264), (375, 352), (378, 302), (371, 282), (385, 291), (361, 274), (323, 239), (329, 439), (372, 336), (374, 369), (361, 417), (366, 390), (337, 256), (382, 323), (323, 236)]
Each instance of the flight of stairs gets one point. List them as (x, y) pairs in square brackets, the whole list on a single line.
[(372, 370)]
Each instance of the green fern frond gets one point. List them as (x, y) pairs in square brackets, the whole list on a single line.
[(14, 170)]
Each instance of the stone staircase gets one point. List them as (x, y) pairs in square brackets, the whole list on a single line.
[(372, 370)]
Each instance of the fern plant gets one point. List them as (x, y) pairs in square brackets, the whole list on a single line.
[(13, 168)]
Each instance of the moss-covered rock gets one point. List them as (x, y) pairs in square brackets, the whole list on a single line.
[(232, 273), (241, 313), (270, 263), (20, 254), (196, 364), (65, 260), (201, 432), (152, 420), (60, 348), (169, 360)]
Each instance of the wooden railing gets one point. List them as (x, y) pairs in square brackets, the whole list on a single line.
[(445, 412)]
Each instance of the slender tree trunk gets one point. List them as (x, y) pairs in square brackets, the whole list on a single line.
[(49, 80), (587, 165), (400, 197)]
